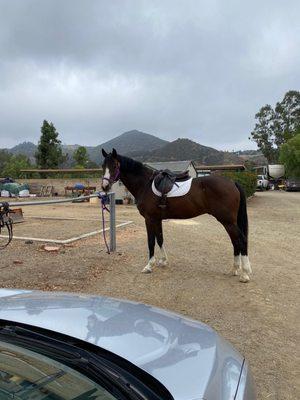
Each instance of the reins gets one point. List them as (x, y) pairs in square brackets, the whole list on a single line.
[(104, 198)]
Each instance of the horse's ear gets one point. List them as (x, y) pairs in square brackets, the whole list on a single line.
[(114, 153), (104, 153)]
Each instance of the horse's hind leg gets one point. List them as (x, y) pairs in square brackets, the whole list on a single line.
[(241, 261), (163, 260), (150, 226)]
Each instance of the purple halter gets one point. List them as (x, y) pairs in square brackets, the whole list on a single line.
[(115, 178)]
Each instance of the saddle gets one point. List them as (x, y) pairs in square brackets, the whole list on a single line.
[(164, 180)]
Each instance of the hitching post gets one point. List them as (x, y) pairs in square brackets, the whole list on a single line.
[(112, 215)]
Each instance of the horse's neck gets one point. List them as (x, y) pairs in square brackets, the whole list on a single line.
[(136, 183)]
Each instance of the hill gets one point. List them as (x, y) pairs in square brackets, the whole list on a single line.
[(27, 148), (145, 147), (254, 157), (131, 141), (186, 149)]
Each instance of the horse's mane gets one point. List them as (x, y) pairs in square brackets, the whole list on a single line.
[(130, 165)]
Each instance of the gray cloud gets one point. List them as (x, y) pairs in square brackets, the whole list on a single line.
[(198, 69)]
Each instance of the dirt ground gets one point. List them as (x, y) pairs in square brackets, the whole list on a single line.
[(261, 318)]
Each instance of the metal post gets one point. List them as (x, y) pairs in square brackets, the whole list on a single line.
[(112, 231)]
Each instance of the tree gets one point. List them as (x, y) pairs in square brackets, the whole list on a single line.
[(81, 157), (290, 156), (263, 133), (49, 152), (275, 127), (287, 117), (4, 158), (14, 165)]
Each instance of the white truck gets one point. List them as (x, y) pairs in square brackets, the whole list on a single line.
[(270, 176), (262, 183)]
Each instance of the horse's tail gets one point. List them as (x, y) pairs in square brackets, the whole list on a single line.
[(242, 219)]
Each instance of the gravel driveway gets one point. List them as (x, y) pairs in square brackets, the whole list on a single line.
[(260, 318)]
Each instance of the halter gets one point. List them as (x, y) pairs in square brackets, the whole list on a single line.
[(115, 178)]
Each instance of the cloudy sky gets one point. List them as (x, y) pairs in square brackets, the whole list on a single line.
[(198, 69)]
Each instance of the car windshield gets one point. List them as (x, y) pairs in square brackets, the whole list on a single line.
[(30, 376)]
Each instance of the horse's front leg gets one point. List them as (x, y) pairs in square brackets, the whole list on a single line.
[(150, 226), (163, 259)]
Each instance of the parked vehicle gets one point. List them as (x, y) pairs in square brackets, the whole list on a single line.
[(292, 184), (262, 182), (276, 171), (67, 346)]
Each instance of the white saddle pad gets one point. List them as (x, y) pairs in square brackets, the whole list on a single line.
[(176, 191)]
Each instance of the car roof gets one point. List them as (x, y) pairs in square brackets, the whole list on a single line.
[(184, 355)]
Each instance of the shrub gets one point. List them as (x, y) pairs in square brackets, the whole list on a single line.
[(247, 180)]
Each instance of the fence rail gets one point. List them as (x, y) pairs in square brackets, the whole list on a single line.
[(112, 214)]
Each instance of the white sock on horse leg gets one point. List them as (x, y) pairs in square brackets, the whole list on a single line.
[(236, 265), (246, 269), (149, 266), (163, 261)]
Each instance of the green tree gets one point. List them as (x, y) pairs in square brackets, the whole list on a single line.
[(81, 157), (290, 156), (14, 165), (275, 126), (4, 158), (49, 152), (287, 117)]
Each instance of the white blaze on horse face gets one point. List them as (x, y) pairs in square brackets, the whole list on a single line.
[(105, 182)]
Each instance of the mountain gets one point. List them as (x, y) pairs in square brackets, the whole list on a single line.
[(254, 157), (128, 142), (124, 143), (27, 148), (145, 147), (186, 149)]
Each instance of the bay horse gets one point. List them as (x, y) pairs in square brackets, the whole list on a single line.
[(214, 195)]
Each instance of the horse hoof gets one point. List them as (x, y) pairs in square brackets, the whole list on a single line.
[(147, 270), (162, 263), (244, 278), (234, 271)]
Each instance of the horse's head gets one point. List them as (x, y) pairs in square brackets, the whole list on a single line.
[(111, 169)]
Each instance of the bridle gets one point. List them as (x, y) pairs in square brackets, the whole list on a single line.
[(115, 178)]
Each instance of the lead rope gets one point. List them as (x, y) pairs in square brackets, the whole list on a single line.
[(103, 199), (6, 222)]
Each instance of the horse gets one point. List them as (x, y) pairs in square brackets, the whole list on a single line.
[(214, 195)]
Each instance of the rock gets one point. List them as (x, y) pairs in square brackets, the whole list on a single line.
[(28, 241), (18, 262), (50, 249)]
